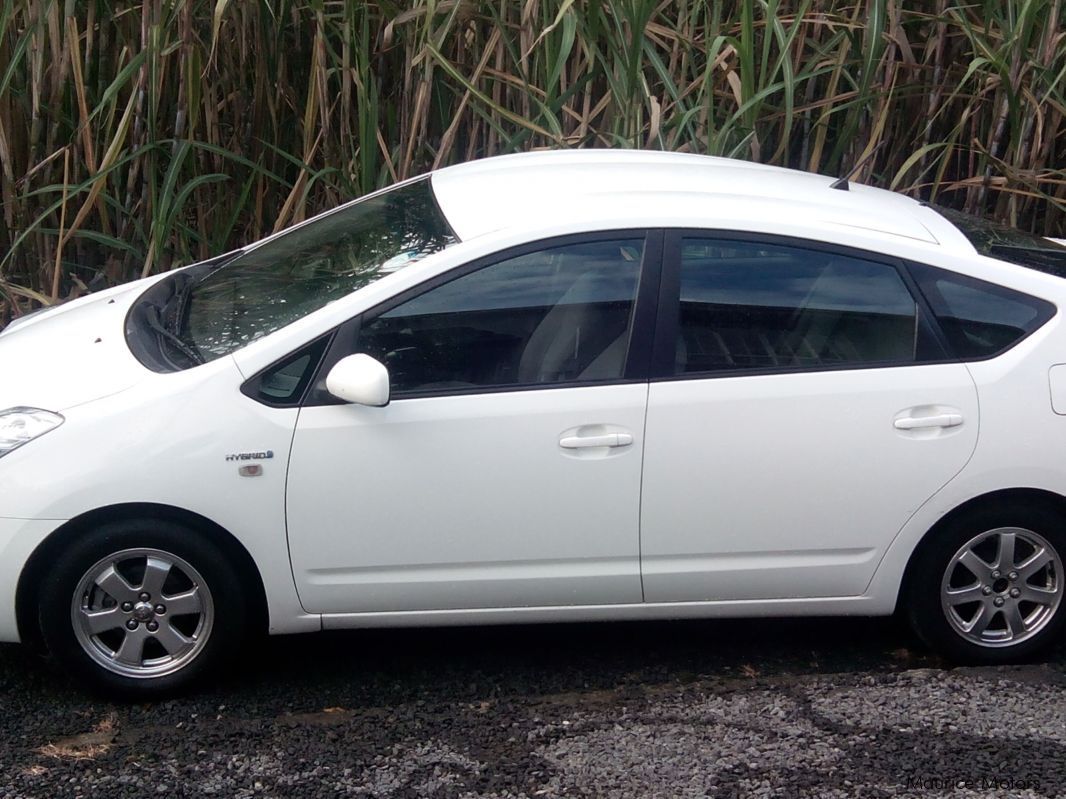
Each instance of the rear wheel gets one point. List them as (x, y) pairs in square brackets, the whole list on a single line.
[(142, 608), (989, 588)]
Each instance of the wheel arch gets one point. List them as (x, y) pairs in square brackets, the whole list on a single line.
[(1028, 497), (26, 591)]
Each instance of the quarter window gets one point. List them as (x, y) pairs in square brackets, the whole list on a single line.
[(755, 306), (557, 315), (979, 319), (285, 383)]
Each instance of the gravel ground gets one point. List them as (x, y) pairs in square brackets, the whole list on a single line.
[(819, 708)]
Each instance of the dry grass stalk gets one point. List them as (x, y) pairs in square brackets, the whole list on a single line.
[(135, 137)]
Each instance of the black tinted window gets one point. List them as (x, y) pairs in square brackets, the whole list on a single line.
[(751, 305), (979, 319), (558, 315), (1009, 244)]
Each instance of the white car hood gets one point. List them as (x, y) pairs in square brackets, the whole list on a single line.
[(71, 354)]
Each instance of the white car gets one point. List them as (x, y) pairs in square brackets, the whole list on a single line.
[(548, 387)]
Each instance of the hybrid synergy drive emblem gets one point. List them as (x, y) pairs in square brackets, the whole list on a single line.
[(250, 469), (251, 456)]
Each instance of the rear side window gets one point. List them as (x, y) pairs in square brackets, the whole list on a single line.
[(754, 306), (979, 319)]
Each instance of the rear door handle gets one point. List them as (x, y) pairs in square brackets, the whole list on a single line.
[(602, 440), (920, 422)]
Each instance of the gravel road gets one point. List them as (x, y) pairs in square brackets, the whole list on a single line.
[(819, 708)]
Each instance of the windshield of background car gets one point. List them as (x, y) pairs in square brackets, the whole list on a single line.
[(278, 282), (1009, 244)]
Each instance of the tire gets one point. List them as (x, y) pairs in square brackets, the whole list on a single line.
[(142, 609), (972, 600)]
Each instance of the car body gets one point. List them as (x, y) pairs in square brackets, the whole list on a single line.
[(593, 385)]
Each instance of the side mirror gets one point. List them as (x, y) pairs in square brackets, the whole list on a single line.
[(359, 379)]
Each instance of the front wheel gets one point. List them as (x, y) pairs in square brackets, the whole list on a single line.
[(989, 588), (142, 609)]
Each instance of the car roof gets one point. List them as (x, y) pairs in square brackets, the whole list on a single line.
[(492, 194)]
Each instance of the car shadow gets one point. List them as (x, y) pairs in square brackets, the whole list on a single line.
[(381, 667), (396, 665)]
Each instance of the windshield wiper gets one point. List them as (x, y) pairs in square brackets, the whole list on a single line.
[(151, 317), (173, 312)]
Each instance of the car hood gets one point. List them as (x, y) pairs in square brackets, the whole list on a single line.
[(71, 354)]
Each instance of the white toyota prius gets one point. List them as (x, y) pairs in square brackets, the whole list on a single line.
[(546, 387)]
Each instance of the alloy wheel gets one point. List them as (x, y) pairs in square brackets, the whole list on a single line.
[(142, 613), (1002, 587)]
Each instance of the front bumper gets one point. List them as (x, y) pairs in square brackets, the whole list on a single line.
[(18, 539)]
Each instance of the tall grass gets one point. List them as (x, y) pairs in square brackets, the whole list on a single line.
[(138, 136)]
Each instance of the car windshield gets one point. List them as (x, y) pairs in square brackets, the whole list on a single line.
[(1009, 244), (278, 282)]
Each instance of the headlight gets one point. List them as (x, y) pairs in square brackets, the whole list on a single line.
[(19, 425)]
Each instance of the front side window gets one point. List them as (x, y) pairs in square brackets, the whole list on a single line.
[(757, 306), (557, 315), (278, 282)]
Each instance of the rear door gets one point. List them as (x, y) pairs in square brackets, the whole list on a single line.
[(803, 409)]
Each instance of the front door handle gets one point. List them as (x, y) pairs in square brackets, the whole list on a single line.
[(602, 440), (922, 422)]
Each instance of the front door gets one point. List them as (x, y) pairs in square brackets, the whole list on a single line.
[(505, 472)]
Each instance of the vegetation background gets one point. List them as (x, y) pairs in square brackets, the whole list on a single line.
[(138, 136)]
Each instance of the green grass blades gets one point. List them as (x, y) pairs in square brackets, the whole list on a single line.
[(136, 137)]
